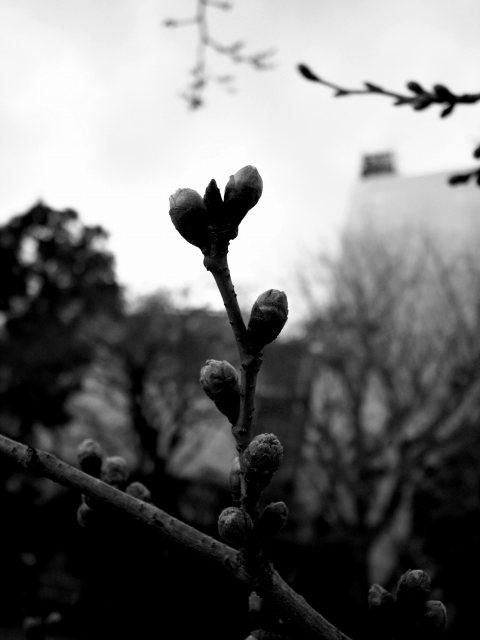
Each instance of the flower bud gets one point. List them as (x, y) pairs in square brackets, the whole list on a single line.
[(85, 515), (234, 525), (115, 471), (268, 317), (139, 491), (378, 597), (219, 380), (242, 193), (415, 87), (413, 587), (90, 457), (435, 617), (189, 216), (262, 458), (236, 480), (272, 519)]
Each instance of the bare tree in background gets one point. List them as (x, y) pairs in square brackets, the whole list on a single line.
[(397, 387)]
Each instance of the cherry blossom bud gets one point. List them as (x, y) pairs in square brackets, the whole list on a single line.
[(242, 193), (115, 471), (413, 587), (415, 87), (85, 515), (189, 216), (435, 617), (268, 317), (272, 519), (234, 525), (379, 597), (219, 380), (139, 491), (262, 459), (236, 480), (90, 457)]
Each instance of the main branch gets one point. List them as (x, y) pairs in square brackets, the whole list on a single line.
[(301, 620)]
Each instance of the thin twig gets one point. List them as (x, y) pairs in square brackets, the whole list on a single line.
[(217, 264), (419, 100), (201, 76)]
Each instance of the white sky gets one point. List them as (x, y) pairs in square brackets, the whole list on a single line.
[(90, 119)]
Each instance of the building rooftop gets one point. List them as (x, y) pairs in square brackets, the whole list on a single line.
[(418, 204)]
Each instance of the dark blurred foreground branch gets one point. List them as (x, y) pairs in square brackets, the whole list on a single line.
[(300, 618), (419, 99), (200, 73)]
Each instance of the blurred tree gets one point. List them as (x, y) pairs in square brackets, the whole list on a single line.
[(57, 280), (397, 388), (150, 365)]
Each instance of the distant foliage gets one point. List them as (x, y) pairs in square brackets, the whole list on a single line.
[(57, 279)]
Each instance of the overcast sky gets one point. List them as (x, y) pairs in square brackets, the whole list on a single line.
[(91, 118)]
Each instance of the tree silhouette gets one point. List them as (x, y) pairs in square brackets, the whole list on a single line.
[(57, 281)]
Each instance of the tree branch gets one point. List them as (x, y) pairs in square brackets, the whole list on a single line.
[(201, 77), (300, 618)]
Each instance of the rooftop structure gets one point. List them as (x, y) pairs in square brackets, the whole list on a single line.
[(424, 204)]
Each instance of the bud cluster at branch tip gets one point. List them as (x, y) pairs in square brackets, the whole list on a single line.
[(202, 220), (234, 525), (408, 613), (219, 380), (268, 317)]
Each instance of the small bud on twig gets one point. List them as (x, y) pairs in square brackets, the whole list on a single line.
[(242, 193), (268, 317), (85, 514), (115, 471), (189, 216), (139, 491), (413, 587), (234, 525), (262, 459), (272, 519), (415, 87), (435, 617), (219, 380), (378, 597), (90, 456)]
